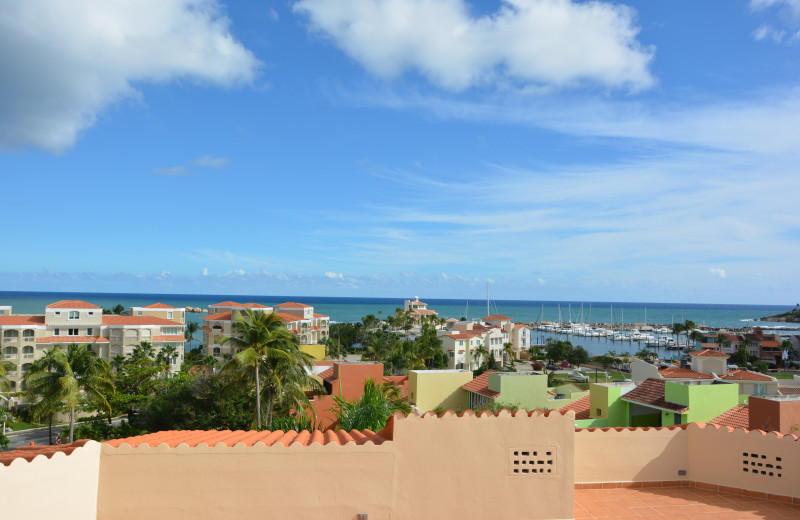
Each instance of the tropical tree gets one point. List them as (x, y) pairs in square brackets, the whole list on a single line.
[(268, 354), (508, 352), (191, 329), (723, 341), (5, 383), (145, 350), (372, 410), (169, 352), (71, 376), (696, 336)]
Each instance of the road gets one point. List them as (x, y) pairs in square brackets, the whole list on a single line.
[(40, 435)]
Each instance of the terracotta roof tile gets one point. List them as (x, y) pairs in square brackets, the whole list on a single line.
[(220, 316), (287, 318), (424, 312), (72, 304), (72, 339), (193, 438), (495, 317), (158, 306), (31, 452), (111, 319), (745, 375), (789, 390), (709, 353), (736, 417), (681, 373), (651, 392), (256, 306), (227, 304), (21, 320), (327, 375), (318, 315), (581, 407), (462, 336), (293, 305), (480, 385)]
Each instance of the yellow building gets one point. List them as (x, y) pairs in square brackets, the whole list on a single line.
[(431, 389)]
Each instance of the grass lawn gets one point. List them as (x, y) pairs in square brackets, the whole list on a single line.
[(21, 425), (782, 376)]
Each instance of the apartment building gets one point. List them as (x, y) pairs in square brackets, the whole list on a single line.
[(25, 338), (311, 328)]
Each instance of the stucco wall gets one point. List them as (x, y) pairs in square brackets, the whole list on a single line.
[(64, 486), (431, 389), (717, 456), (317, 351), (630, 455)]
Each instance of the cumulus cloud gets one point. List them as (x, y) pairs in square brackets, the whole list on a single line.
[(210, 161), (792, 7), (540, 281), (543, 42), (67, 60), (205, 271), (329, 274), (716, 271)]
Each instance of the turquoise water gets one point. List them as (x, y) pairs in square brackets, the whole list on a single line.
[(352, 309)]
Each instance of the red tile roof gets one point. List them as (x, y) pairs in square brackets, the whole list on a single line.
[(287, 318), (681, 373), (495, 317), (581, 407), (651, 392), (736, 417), (230, 438), (708, 353), (462, 336), (158, 306), (789, 390), (256, 306), (31, 452), (424, 312), (480, 385), (769, 343), (292, 305), (227, 304), (72, 304), (160, 339), (745, 375), (327, 375), (22, 320), (317, 315), (220, 316), (111, 319), (72, 339)]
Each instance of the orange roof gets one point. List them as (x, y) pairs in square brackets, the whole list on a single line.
[(256, 306), (292, 304), (745, 375), (21, 320), (317, 315), (227, 304), (681, 373), (480, 385), (327, 375), (496, 317), (72, 304), (230, 438), (789, 390), (708, 353), (424, 312), (72, 339), (581, 407), (769, 343), (221, 316), (462, 336), (160, 339), (520, 326), (158, 306), (736, 417), (651, 392), (111, 319), (31, 452), (287, 318)]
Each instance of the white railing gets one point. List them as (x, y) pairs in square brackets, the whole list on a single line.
[(10, 356), (27, 356), (29, 338)]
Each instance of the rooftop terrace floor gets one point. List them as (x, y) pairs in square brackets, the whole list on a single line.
[(677, 503)]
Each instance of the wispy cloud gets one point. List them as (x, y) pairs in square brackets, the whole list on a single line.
[(183, 170), (209, 161), (716, 271), (173, 171)]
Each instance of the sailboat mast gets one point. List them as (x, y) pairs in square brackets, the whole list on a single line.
[(488, 311)]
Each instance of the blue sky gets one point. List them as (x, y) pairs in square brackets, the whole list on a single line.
[(563, 150)]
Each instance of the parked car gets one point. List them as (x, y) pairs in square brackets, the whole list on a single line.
[(552, 366)]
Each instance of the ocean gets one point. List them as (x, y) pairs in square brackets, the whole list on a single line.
[(352, 309)]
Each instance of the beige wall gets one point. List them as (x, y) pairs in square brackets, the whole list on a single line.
[(60, 487), (469, 456), (630, 455)]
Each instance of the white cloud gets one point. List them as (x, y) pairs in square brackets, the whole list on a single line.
[(791, 6), (72, 58), (173, 171), (210, 161), (716, 271), (205, 271), (274, 15), (542, 42), (329, 274), (765, 32), (540, 281)]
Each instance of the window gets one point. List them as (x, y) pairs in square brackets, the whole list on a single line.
[(91, 313), (9, 352), (57, 313), (28, 333), (131, 334), (169, 331), (138, 313), (72, 332), (169, 315), (74, 315), (89, 332), (116, 335), (11, 334), (27, 352), (56, 332)]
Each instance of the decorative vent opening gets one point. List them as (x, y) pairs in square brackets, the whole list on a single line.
[(532, 461), (759, 465)]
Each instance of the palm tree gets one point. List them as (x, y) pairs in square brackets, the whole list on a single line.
[(723, 341), (169, 352), (481, 353), (696, 336), (191, 329), (372, 410), (117, 361), (508, 350), (68, 375), (144, 350), (265, 345), (5, 367)]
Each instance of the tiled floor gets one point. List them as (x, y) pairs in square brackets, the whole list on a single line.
[(676, 504)]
